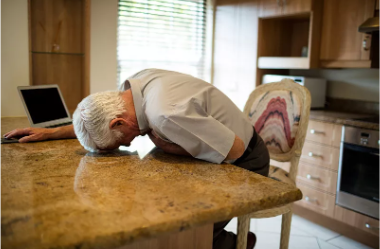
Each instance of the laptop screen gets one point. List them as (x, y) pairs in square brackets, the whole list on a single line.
[(44, 104)]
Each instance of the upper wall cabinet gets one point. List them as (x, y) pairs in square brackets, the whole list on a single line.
[(290, 40), (270, 8), (59, 46), (342, 45)]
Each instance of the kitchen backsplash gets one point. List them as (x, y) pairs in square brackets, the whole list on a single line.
[(353, 106), (353, 84)]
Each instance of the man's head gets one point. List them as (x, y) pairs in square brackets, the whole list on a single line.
[(101, 121)]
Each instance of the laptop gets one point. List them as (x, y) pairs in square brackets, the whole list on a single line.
[(44, 106)]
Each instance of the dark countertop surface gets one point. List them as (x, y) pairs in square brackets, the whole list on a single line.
[(343, 118)]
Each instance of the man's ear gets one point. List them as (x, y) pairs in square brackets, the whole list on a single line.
[(116, 122)]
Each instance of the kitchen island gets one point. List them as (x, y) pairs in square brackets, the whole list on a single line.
[(55, 194)]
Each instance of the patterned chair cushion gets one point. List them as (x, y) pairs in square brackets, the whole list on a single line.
[(280, 175), (275, 116)]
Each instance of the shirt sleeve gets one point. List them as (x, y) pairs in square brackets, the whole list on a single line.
[(198, 133)]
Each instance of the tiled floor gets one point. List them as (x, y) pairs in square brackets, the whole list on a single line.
[(304, 235)]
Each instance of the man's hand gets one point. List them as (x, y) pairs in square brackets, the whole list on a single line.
[(167, 147), (30, 134), (41, 134)]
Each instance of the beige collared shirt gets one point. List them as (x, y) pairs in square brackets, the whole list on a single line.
[(189, 112)]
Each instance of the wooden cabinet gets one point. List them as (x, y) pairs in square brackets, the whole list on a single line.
[(342, 45), (270, 8), (296, 6), (318, 174), (357, 220), (320, 155), (316, 200), (324, 133), (289, 40), (59, 37), (317, 177)]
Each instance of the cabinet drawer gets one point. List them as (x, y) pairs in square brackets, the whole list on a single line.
[(367, 224), (357, 220), (324, 133), (317, 177), (317, 201), (320, 155)]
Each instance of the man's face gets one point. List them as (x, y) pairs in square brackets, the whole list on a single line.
[(125, 140)]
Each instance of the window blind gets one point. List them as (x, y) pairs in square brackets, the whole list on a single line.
[(165, 34)]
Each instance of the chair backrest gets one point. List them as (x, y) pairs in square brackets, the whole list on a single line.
[(280, 114)]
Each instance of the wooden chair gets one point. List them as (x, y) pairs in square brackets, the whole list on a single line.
[(280, 114)]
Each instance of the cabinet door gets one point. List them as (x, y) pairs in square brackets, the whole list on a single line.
[(296, 6), (270, 8), (340, 37)]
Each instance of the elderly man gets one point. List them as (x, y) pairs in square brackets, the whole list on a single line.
[(181, 114)]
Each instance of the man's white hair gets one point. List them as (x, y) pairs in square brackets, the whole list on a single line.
[(92, 117)]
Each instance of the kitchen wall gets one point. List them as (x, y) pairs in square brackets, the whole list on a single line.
[(357, 84), (103, 58), (15, 55)]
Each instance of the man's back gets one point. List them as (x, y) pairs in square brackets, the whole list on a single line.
[(191, 112)]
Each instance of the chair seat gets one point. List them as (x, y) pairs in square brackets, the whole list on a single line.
[(280, 175)]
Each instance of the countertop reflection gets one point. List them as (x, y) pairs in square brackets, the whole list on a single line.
[(57, 195)]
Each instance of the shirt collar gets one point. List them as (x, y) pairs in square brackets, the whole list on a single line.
[(138, 102)]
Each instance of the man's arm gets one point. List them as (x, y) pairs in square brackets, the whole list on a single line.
[(167, 147), (237, 149), (41, 134)]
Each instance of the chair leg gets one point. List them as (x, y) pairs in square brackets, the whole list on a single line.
[(242, 231), (285, 229)]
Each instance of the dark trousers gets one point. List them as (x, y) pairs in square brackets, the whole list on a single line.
[(255, 159)]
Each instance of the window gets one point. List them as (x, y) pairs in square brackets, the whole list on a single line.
[(166, 34)]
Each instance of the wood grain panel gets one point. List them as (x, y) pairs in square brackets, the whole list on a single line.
[(270, 8), (296, 6), (317, 201), (337, 135), (197, 238), (63, 70), (340, 37), (320, 178), (323, 156), (362, 221), (346, 64), (57, 26), (324, 133), (356, 219)]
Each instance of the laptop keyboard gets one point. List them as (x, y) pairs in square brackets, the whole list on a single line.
[(59, 125)]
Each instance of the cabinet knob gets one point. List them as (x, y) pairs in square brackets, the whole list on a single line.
[(308, 176), (308, 199), (312, 131), (371, 227), (311, 154)]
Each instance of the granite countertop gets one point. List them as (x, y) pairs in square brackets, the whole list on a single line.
[(343, 118), (55, 194)]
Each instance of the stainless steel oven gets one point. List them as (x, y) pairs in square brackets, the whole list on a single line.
[(358, 176)]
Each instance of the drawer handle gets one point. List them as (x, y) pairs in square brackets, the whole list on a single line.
[(308, 199), (308, 176), (311, 154), (312, 131), (371, 227)]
